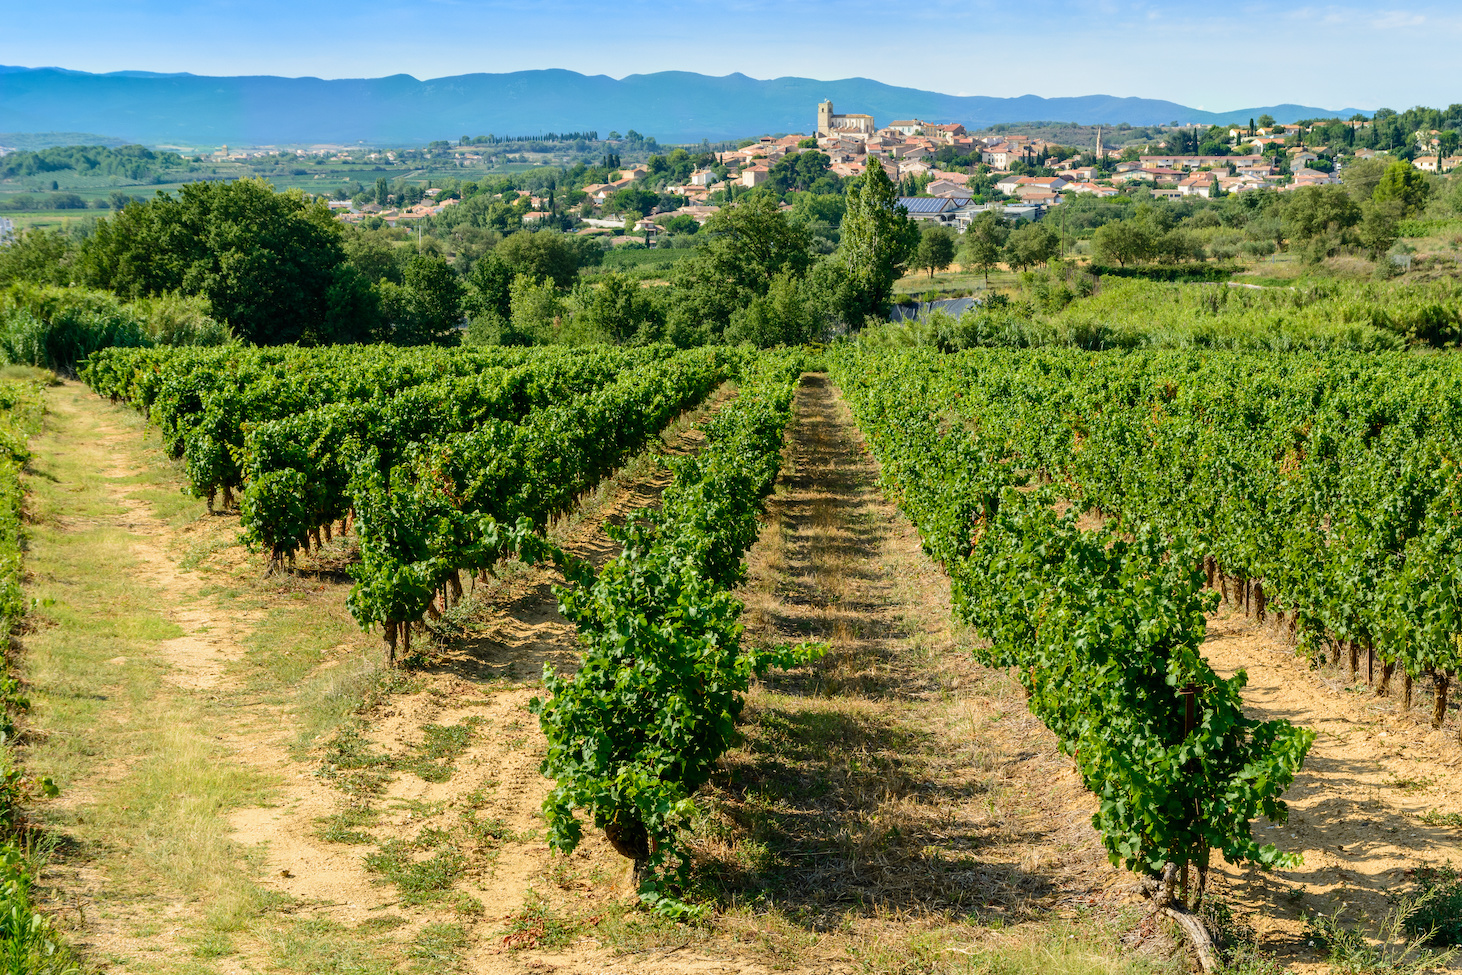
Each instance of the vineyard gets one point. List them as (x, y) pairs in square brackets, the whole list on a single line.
[(1090, 514)]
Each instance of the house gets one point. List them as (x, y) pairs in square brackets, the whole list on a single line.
[(1008, 185), (946, 188), (1038, 196), (1091, 189), (1052, 183), (704, 177), (1427, 164), (1167, 194), (941, 210), (1313, 176), (755, 175), (1002, 155), (949, 130), (1195, 162), (1259, 169), (1199, 184), (905, 127)]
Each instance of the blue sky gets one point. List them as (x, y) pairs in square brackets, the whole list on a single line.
[(1215, 55)]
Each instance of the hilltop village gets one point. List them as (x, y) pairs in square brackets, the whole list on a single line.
[(945, 173)]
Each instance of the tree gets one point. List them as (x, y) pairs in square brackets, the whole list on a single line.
[(632, 201), (374, 253), (1377, 229), (1266, 121), (878, 238), (536, 308), (272, 265), (779, 317), (1031, 244), (1122, 241), (42, 256), (936, 249), (542, 255), (1316, 210), (742, 247), (984, 243), (427, 307), (489, 287), (619, 309), (1406, 183), (1361, 178), (383, 190)]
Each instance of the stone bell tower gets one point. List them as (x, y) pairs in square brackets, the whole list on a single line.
[(825, 118)]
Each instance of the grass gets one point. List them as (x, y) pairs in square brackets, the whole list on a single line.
[(357, 769), (151, 764), (438, 947), (1438, 906), (1395, 947), (418, 880)]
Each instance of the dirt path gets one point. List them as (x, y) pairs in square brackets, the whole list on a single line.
[(1356, 808), (127, 658)]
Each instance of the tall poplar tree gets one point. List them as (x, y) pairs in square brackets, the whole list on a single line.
[(878, 239)]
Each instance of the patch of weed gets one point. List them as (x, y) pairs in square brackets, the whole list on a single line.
[(418, 881), (536, 925), (438, 946), (344, 826), (1392, 950), (1433, 817), (434, 759), (1438, 914)]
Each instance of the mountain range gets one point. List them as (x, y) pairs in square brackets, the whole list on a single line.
[(673, 106)]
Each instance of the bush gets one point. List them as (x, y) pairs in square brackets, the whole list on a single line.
[(1438, 901), (57, 327), (1167, 272)]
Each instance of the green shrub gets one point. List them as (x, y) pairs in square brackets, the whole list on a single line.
[(57, 327), (1439, 905)]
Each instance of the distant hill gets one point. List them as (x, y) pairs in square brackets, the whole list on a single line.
[(673, 106), (31, 141)]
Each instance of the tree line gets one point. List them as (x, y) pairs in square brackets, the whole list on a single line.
[(279, 268)]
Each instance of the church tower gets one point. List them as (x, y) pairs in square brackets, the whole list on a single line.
[(825, 118)]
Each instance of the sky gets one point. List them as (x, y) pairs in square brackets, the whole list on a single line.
[(1215, 55)]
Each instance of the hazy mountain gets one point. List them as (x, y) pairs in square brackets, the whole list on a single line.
[(673, 106)]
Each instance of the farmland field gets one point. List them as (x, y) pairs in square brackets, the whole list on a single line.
[(308, 624)]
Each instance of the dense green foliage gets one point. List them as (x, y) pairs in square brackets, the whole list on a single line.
[(56, 328), (270, 264), (1438, 914), (401, 440), (297, 468), (1103, 627), (128, 162), (1322, 486), (454, 504), (1134, 314), (637, 729)]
